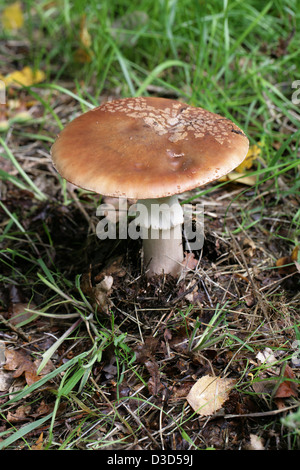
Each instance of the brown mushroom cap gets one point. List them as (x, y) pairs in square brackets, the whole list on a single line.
[(144, 148)]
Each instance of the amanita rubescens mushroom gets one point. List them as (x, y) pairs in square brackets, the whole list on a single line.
[(151, 150)]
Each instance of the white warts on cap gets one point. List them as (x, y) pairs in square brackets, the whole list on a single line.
[(177, 120)]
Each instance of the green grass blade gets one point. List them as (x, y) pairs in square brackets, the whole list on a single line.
[(39, 194), (21, 432)]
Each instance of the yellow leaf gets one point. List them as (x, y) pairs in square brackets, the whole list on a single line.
[(85, 37), (242, 178), (253, 153), (12, 17), (24, 77)]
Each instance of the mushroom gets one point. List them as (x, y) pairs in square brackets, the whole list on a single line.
[(150, 149)]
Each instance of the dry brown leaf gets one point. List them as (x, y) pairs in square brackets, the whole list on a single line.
[(289, 264), (18, 314), (287, 388), (20, 363), (19, 415), (190, 262), (264, 386), (250, 246), (154, 383), (209, 393), (147, 349), (39, 443)]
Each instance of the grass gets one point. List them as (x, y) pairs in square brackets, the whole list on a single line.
[(120, 373)]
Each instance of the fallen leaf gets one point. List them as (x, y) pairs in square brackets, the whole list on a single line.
[(18, 314), (287, 388), (209, 393), (39, 443), (189, 261), (181, 391), (146, 350), (154, 383), (252, 155), (242, 178), (264, 386), (43, 409), (12, 17), (239, 175), (250, 246), (20, 363), (266, 357), (24, 77), (111, 370), (289, 264), (19, 415)]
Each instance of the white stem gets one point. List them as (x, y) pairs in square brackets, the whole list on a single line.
[(163, 255), (161, 221)]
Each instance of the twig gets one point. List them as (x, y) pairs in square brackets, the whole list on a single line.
[(14, 328), (261, 414)]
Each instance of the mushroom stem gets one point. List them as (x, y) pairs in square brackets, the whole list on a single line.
[(163, 255), (161, 222)]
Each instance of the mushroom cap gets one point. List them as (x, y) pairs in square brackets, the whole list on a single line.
[(147, 147)]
